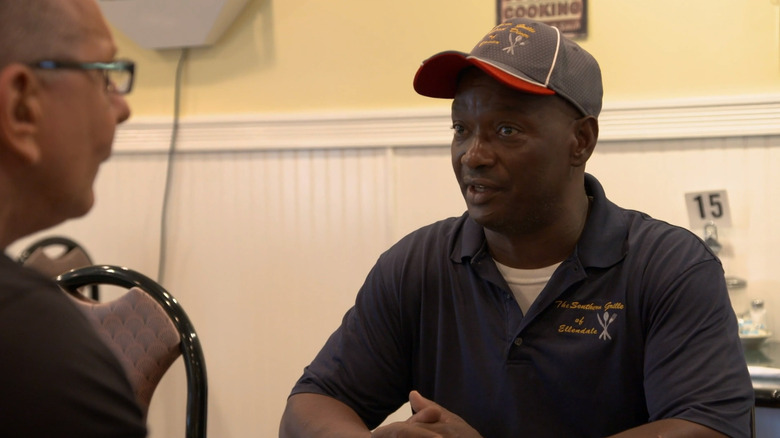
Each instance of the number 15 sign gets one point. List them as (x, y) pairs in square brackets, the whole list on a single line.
[(706, 207)]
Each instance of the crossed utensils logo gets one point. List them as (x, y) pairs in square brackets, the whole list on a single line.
[(605, 322), (514, 41)]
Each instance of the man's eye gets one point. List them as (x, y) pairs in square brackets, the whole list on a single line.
[(458, 128), (507, 130)]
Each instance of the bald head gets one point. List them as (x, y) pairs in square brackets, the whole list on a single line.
[(37, 29)]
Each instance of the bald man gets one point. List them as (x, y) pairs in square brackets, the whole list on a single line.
[(61, 97)]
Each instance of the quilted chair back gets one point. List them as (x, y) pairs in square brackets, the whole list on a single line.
[(141, 335), (148, 329)]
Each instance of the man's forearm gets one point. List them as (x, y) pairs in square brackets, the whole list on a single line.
[(670, 428), (319, 416)]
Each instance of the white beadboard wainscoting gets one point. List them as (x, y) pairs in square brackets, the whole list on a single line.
[(274, 221)]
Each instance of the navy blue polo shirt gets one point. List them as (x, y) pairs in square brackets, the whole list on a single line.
[(634, 326)]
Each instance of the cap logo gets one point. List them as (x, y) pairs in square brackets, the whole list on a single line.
[(515, 41), (490, 39), (521, 33)]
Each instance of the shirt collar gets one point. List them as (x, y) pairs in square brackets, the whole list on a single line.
[(603, 240), (602, 243)]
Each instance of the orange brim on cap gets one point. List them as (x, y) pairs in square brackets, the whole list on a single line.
[(438, 75)]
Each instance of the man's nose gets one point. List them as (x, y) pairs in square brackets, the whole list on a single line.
[(122, 108), (479, 153)]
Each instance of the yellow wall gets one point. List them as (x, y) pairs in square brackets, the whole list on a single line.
[(317, 56)]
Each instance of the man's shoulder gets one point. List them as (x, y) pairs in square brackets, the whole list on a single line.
[(32, 305), (638, 224), (645, 228), (55, 362), (616, 233), (665, 251), (443, 230), (443, 226), (22, 287)]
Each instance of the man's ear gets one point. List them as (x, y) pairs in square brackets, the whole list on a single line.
[(587, 134), (20, 112)]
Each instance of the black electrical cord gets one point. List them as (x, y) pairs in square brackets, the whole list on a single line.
[(169, 170)]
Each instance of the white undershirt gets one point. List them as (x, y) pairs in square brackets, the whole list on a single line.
[(526, 284)]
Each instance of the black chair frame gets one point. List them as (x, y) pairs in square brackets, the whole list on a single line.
[(69, 244), (192, 352)]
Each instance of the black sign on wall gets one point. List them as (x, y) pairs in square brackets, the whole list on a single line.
[(570, 16)]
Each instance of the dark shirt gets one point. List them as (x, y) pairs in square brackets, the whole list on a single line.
[(634, 326), (57, 377)]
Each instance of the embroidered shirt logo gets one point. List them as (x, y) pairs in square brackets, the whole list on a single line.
[(585, 316), (605, 322)]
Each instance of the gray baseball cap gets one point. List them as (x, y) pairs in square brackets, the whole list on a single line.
[(525, 55)]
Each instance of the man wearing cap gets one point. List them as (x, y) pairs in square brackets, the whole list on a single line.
[(545, 310)]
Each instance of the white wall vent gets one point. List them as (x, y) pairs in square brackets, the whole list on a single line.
[(164, 24)]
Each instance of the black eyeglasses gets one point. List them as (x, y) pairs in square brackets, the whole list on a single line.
[(117, 74)]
